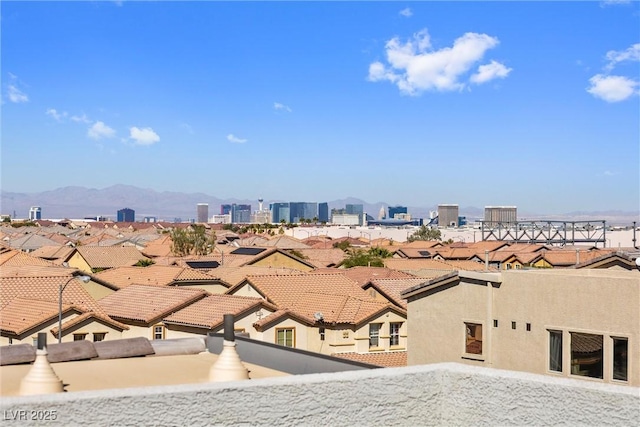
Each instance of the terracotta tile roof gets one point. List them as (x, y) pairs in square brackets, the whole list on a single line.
[(448, 252), (236, 275), (157, 275), (31, 241), (284, 242), (432, 264), (604, 261), (21, 314), (209, 312), (160, 247), (421, 244), (53, 252), (338, 298), (392, 288), (387, 359), (13, 257), (42, 284), (489, 245), (362, 275), (110, 256), (69, 324), (323, 257), (146, 304), (562, 258), (415, 252)]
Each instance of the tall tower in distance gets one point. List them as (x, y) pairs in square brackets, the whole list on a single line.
[(126, 215), (202, 212), (260, 200), (35, 213)]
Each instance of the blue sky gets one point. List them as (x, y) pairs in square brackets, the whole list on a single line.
[(532, 104)]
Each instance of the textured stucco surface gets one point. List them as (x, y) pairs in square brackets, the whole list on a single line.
[(443, 394)]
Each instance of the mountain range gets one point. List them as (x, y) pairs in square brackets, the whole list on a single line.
[(82, 202)]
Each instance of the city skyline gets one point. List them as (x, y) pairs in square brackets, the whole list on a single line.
[(484, 103)]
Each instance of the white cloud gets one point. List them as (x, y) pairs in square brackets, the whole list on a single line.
[(612, 88), (406, 12), (490, 71), (80, 119), (605, 3), (54, 113), (630, 54), (145, 136), (16, 95), (281, 107), (231, 137), (415, 67), (99, 130), (609, 173)]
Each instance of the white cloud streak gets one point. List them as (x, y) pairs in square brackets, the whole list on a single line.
[(144, 136), (630, 54), (16, 95), (52, 112), (490, 71), (406, 12), (99, 131), (281, 107), (80, 119), (415, 67), (612, 88), (232, 138)]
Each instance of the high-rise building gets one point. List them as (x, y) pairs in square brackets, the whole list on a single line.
[(393, 210), (279, 211), (202, 212), (356, 209), (240, 214), (323, 212), (448, 215), (382, 214), (302, 210), (504, 214), (225, 209), (126, 215), (35, 213)]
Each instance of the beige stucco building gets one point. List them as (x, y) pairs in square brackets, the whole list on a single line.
[(568, 323)]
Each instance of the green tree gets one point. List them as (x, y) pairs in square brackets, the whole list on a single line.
[(344, 245), (297, 254), (194, 241), (144, 263), (425, 233), (371, 258)]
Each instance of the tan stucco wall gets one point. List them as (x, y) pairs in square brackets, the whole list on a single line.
[(279, 260), (603, 302), (436, 323), (247, 290), (76, 261), (87, 327), (96, 290)]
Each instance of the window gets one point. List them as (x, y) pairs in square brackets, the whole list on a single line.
[(473, 343), (158, 332), (495, 323), (513, 325), (620, 351), (321, 334), (374, 334), (79, 337), (586, 355), (555, 351), (285, 337), (345, 335), (34, 342), (99, 336), (528, 327), (394, 333)]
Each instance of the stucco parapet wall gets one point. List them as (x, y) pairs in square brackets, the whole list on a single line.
[(439, 394)]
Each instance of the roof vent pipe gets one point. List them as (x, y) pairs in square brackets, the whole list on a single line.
[(41, 378), (486, 260), (228, 367)]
